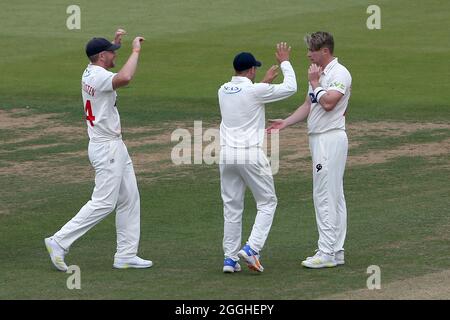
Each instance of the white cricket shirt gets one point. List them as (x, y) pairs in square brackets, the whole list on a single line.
[(242, 107), (334, 77), (99, 99)]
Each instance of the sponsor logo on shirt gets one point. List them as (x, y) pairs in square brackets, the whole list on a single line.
[(86, 73), (231, 90), (337, 85)]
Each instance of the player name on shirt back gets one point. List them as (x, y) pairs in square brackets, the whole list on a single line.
[(88, 89)]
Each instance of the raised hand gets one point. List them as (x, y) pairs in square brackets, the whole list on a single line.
[(118, 36), (314, 73), (137, 43), (283, 52), (271, 74)]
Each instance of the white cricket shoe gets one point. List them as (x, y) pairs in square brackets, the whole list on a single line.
[(339, 256), (320, 260), (135, 262), (315, 252), (56, 253)]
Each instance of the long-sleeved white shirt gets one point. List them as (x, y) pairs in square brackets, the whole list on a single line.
[(242, 106)]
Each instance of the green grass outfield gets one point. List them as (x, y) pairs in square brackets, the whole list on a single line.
[(398, 209)]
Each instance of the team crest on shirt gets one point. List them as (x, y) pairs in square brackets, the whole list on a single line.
[(312, 97)]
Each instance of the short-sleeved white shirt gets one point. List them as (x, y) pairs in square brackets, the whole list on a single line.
[(334, 77), (99, 100)]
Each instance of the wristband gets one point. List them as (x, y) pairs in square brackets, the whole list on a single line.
[(318, 93), (136, 50)]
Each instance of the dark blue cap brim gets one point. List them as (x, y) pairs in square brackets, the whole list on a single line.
[(113, 47)]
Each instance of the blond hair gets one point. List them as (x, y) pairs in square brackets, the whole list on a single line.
[(318, 40)]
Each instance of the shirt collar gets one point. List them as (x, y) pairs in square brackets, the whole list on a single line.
[(330, 66), (239, 79), (90, 65)]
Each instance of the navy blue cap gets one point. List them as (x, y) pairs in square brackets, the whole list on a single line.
[(97, 45), (244, 61)]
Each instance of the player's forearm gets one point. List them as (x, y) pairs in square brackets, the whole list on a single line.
[(289, 81), (276, 92), (126, 74), (326, 100), (299, 115), (129, 69)]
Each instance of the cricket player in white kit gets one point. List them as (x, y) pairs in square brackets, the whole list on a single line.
[(325, 107), (115, 181), (242, 161)]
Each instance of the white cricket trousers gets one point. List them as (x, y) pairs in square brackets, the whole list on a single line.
[(329, 155), (235, 177), (115, 188)]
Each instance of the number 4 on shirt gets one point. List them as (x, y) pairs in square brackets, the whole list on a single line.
[(89, 115)]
